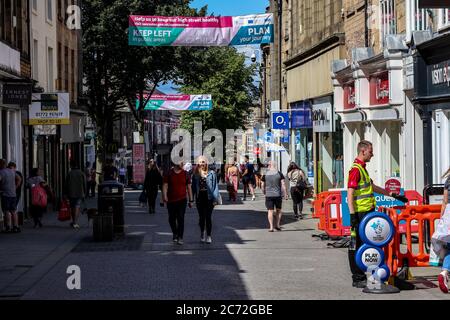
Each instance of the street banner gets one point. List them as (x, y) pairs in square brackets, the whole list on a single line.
[(178, 102), (49, 108), (200, 31), (138, 163)]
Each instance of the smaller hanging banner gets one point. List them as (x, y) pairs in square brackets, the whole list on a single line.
[(178, 102)]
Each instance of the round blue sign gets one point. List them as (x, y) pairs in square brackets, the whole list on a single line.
[(376, 229), (367, 256)]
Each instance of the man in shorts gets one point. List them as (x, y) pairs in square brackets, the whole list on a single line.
[(274, 189), (9, 181)]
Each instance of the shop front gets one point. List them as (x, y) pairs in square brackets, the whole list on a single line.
[(432, 101), (372, 106)]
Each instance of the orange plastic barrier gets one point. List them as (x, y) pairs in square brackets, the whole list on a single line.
[(424, 215), (333, 216), (319, 209)]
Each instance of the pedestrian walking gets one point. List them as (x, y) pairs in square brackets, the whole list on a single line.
[(338, 171), (274, 188), (361, 201), (441, 238), (248, 179), (152, 183), (37, 207), (75, 191), (205, 189), (9, 182), (110, 172), (232, 180), (122, 174), (298, 185), (92, 174), (176, 192), (13, 166)]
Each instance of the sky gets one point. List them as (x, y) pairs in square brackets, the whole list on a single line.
[(229, 8), (232, 7)]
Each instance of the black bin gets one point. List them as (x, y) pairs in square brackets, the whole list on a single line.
[(110, 217)]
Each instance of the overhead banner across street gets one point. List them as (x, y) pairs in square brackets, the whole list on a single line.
[(200, 31), (178, 102)]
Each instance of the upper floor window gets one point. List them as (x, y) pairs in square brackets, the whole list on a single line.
[(417, 19), (35, 5), (444, 18), (50, 10), (388, 19)]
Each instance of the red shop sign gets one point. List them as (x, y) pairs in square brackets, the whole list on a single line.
[(349, 96), (379, 89), (393, 185)]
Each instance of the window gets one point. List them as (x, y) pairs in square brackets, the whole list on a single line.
[(387, 19), (35, 60), (49, 10), (444, 18), (35, 5), (72, 78), (416, 19), (50, 69), (66, 68), (59, 65)]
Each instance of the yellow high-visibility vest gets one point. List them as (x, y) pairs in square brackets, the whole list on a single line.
[(363, 197)]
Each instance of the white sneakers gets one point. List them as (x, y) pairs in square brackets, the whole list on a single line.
[(208, 239), (202, 237), (253, 198), (443, 281)]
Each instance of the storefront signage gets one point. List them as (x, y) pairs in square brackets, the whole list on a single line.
[(49, 108), (200, 31), (440, 74), (17, 93), (322, 117), (437, 81), (379, 89), (138, 163), (349, 96), (301, 115), (280, 120)]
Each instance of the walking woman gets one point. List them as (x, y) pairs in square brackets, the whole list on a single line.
[(205, 188), (152, 182), (297, 183), (232, 179), (441, 237), (36, 211)]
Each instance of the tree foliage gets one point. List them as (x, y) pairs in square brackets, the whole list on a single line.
[(222, 72)]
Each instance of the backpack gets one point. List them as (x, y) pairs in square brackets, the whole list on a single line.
[(38, 196)]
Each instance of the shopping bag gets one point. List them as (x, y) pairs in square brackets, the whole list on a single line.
[(440, 239), (64, 211)]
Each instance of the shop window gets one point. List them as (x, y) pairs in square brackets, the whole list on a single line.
[(395, 150)]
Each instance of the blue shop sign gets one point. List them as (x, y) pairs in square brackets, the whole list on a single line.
[(280, 120), (301, 115)]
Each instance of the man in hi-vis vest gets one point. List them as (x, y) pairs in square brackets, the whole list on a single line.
[(361, 201)]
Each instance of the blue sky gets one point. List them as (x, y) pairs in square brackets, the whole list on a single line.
[(229, 8), (232, 7)]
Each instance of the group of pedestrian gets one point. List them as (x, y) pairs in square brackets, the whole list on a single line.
[(181, 189), (245, 173)]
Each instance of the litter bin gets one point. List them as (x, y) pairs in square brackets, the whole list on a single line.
[(110, 217)]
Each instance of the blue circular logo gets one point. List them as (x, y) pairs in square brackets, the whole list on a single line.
[(367, 256), (376, 229)]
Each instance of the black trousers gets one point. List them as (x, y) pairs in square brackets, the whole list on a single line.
[(205, 208), (176, 217), (297, 199), (151, 199), (357, 274)]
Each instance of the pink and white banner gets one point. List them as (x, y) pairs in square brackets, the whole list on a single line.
[(200, 31)]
